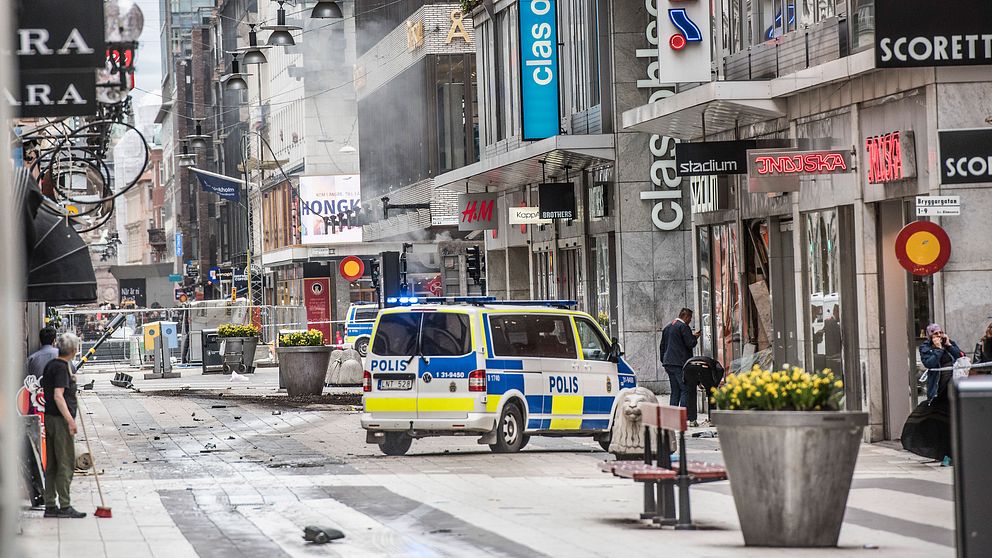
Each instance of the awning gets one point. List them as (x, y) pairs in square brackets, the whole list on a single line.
[(726, 104), (723, 104), (59, 267), (521, 166)]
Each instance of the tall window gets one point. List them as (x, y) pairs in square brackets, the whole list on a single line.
[(457, 123), (583, 30)]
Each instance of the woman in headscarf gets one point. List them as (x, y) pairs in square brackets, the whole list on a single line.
[(927, 431)]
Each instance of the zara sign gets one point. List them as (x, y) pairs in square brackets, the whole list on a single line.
[(58, 57), (540, 112)]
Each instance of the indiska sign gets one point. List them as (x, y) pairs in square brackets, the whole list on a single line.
[(766, 164), (891, 157)]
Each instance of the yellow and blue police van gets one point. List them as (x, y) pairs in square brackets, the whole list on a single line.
[(503, 371), (358, 326)]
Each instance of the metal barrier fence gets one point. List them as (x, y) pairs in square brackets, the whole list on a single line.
[(127, 344)]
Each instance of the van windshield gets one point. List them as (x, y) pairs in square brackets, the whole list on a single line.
[(444, 334)]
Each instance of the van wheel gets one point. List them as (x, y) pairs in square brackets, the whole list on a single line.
[(605, 443), (395, 443), (362, 346), (509, 431)]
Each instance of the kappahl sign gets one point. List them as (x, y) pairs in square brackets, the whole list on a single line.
[(965, 156), (539, 108), (915, 33), (323, 196)]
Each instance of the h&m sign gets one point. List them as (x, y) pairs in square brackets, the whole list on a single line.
[(891, 157)]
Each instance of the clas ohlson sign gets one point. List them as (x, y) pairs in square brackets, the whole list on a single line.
[(539, 108)]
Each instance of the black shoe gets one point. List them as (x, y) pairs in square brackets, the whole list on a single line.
[(71, 513), (52, 512)]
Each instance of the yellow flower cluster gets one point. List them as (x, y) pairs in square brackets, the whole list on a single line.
[(788, 389)]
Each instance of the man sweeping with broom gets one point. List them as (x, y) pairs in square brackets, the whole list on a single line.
[(59, 383)]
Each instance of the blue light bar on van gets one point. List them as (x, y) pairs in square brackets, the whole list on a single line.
[(459, 299), (551, 303)]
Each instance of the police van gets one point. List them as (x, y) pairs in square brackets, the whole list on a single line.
[(358, 326), (500, 371)]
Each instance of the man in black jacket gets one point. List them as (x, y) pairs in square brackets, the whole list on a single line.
[(677, 343)]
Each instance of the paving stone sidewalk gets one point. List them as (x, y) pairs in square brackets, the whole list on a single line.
[(195, 474)]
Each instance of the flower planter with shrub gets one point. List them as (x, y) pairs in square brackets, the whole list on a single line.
[(303, 360), (790, 453), (237, 344)]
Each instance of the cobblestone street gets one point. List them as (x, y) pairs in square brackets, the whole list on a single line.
[(216, 471)]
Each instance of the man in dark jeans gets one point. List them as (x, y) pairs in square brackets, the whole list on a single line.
[(59, 383), (677, 343)]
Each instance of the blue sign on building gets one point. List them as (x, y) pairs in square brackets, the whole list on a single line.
[(179, 246), (540, 112)]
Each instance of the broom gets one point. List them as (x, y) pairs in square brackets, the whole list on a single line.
[(102, 510)]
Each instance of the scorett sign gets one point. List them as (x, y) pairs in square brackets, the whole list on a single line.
[(915, 33), (965, 156)]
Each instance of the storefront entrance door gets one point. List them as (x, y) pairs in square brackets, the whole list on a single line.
[(905, 305), (782, 261)]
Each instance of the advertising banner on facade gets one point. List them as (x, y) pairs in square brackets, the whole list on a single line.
[(477, 212), (684, 40), (540, 113), (323, 196), (317, 301), (965, 156), (556, 200), (891, 157), (918, 33)]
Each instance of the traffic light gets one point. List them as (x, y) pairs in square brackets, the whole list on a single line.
[(473, 263), (375, 273)]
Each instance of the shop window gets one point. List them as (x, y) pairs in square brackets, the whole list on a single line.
[(726, 298), (601, 262), (456, 119), (705, 274), (584, 38), (823, 263), (532, 336), (758, 311), (863, 24)]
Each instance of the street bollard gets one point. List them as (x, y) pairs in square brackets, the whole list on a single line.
[(971, 452)]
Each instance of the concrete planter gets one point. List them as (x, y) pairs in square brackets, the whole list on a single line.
[(790, 472), (302, 369)]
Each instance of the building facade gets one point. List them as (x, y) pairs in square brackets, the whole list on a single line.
[(626, 257), (799, 264)]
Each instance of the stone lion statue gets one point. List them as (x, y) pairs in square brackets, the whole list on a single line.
[(627, 436), (344, 369)]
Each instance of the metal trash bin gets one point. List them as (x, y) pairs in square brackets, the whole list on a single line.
[(213, 359), (971, 452)]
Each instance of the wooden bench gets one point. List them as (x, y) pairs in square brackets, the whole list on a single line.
[(658, 474)]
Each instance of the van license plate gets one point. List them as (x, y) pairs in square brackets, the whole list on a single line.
[(398, 385)]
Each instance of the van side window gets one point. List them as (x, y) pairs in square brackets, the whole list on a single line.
[(594, 346), (445, 334), (365, 314), (397, 334), (546, 336)]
